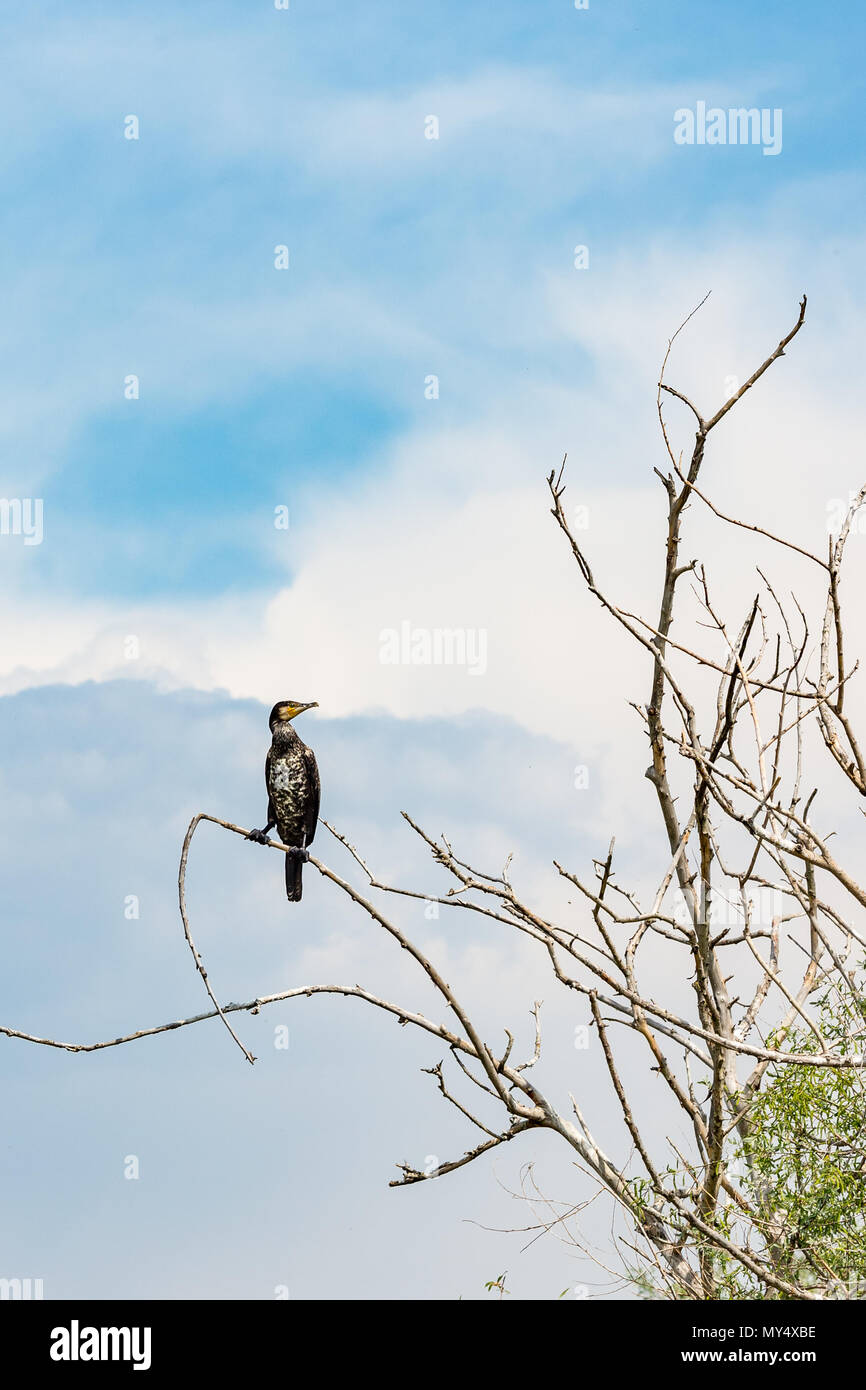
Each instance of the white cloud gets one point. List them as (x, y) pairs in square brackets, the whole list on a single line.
[(452, 530)]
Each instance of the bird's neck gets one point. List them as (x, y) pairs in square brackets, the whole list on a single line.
[(284, 737)]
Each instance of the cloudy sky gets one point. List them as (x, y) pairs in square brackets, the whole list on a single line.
[(282, 375)]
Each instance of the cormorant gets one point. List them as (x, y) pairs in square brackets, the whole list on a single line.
[(292, 780)]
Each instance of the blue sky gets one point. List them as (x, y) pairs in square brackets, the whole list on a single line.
[(249, 1178), (305, 388), (408, 256)]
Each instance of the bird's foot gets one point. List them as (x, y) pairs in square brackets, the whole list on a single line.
[(298, 853), (260, 836)]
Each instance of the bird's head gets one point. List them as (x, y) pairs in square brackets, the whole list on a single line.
[(286, 710)]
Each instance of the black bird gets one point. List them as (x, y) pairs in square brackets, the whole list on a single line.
[(292, 780)]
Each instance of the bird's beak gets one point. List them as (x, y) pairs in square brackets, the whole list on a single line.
[(299, 709)]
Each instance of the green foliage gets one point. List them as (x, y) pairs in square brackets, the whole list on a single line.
[(498, 1284), (805, 1156), (801, 1169)]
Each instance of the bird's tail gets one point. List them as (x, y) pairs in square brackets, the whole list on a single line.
[(294, 865)]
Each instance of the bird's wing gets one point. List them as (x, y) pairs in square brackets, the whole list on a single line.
[(272, 815), (312, 810)]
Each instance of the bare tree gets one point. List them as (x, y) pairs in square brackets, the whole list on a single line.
[(776, 998)]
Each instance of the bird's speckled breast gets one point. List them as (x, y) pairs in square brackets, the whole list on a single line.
[(289, 788)]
